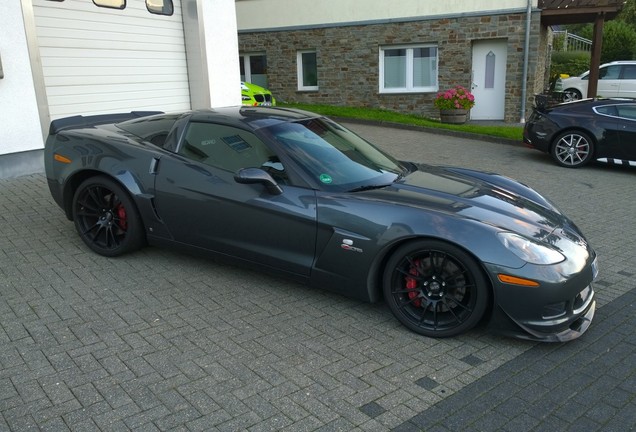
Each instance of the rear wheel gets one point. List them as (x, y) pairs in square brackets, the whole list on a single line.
[(435, 288), (106, 217), (573, 149)]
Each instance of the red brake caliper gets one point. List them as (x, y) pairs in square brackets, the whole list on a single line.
[(121, 214), (411, 284)]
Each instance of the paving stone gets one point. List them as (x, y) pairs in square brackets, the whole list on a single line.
[(163, 340)]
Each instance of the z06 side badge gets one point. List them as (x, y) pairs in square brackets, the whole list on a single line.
[(347, 244)]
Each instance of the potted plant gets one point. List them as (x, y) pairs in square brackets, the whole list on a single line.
[(454, 104)]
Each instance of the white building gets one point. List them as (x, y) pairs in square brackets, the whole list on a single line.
[(79, 57)]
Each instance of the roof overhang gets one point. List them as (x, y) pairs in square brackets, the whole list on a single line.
[(555, 12)]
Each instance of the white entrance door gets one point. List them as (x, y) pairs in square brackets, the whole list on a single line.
[(489, 79)]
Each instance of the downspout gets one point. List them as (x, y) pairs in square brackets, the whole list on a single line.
[(526, 48)]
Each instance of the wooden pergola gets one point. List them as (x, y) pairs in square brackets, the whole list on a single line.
[(556, 12)]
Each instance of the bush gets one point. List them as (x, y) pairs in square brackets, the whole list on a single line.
[(569, 62)]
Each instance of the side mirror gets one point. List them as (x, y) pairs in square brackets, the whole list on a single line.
[(257, 175)]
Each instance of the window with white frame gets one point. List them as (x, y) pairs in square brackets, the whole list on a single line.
[(254, 68), (408, 69), (307, 70)]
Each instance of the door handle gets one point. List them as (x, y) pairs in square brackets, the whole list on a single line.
[(154, 163)]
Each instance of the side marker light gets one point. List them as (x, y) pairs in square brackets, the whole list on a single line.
[(517, 280), (60, 158)]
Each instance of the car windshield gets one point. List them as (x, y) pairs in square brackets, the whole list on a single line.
[(335, 157)]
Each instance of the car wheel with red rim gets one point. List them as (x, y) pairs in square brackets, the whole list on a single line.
[(435, 288), (106, 217)]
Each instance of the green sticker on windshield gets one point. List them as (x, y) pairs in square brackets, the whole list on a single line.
[(325, 178)]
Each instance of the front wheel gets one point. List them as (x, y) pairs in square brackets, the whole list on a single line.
[(571, 95), (106, 217), (435, 288), (572, 149)]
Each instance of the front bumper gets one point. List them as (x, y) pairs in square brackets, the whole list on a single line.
[(546, 331), (559, 310)]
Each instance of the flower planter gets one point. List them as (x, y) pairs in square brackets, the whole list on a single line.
[(453, 116)]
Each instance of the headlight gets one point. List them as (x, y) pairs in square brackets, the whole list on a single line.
[(245, 98), (530, 250)]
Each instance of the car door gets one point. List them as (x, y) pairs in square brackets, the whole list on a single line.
[(202, 205), (627, 131), (628, 81), (608, 81)]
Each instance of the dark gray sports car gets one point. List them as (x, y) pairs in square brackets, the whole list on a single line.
[(298, 194)]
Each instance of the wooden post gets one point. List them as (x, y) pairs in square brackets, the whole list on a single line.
[(595, 62)]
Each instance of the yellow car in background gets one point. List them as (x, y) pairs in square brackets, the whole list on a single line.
[(255, 95)]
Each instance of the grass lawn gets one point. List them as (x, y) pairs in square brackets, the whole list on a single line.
[(512, 132)]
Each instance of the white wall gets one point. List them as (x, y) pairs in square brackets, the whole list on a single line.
[(212, 51), (20, 128), (262, 14), (22, 132)]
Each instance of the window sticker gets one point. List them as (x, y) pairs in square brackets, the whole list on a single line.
[(326, 178), (236, 143)]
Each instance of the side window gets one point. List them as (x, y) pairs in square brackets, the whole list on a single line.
[(609, 110), (154, 129), (307, 64), (609, 72), (627, 111), (230, 149), (629, 72)]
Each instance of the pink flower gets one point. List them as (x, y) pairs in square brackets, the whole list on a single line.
[(457, 97)]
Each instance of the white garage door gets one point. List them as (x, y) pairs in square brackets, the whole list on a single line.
[(98, 60)]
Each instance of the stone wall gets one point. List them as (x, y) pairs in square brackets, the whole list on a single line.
[(348, 56)]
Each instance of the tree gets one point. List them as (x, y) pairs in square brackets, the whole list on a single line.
[(628, 14), (619, 42), (619, 35)]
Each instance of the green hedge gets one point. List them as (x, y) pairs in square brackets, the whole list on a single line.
[(569, 62)]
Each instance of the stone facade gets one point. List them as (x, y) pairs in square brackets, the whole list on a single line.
[(348, 59)]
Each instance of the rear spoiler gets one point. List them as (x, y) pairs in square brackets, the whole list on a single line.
[(79, 122), (541, 102)]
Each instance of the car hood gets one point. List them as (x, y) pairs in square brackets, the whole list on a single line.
[(571, 79), (487, 198)]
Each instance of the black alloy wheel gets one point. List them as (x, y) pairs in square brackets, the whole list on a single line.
[(106, 218), (435, 289), (572, 149)]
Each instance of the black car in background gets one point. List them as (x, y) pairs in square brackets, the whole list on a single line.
[(576, 133), (295, 193)]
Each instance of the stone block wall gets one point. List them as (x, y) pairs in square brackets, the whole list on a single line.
[(348, 60)]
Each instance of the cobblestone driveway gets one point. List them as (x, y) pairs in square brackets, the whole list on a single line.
[(161, 340)]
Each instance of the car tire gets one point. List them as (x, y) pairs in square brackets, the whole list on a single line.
[(571, 95), (572, 149), (106, 218), (435, 289)]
